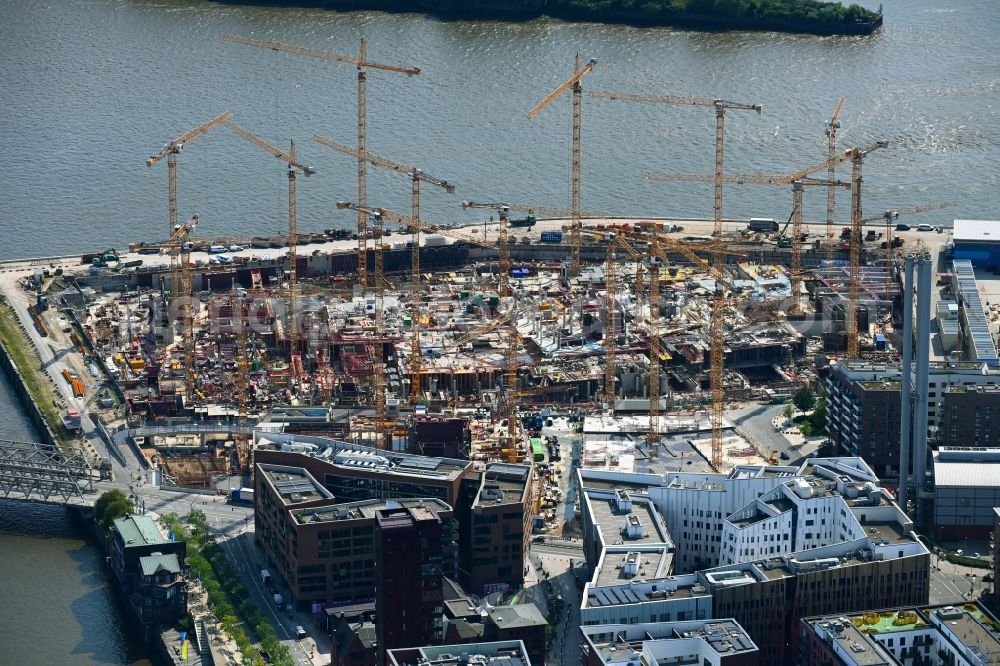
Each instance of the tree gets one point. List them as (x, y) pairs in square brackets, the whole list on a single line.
[(111, 506), (789, 411), (804, 399), (818, 418)]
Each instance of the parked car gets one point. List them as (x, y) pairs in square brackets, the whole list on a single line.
[(902, 227), (925, 227), (300, 632)]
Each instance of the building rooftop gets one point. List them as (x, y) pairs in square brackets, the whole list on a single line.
[(366, 509), (723, 636), (957, 466), (982, 231), (860, 639), (671, 587), (521, 615), (496, 653), (621, 564), (626, 519), (354, 456), (154, 563), (138, 531), (503, 483), (293, 485)]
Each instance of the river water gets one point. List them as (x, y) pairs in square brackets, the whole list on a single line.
[(90, 88), (58, 607)]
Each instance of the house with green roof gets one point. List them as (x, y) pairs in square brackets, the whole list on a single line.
[(149, 570)]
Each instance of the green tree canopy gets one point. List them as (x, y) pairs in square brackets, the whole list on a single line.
[(804, 399), (111, 506)]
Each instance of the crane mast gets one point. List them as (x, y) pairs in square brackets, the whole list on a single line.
[(831, 152), (573, 82), (416, 177), (653, 435), (610, 332), (363, 64), (181, 296), (170, 151), (720, 106), (294, 166)]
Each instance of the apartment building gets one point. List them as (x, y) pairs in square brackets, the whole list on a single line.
[(955, 635), (720, 642), (763, 544), (970, 416)]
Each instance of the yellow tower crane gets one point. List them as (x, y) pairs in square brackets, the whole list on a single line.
[(573, 82), (856, 157), (363, 64), (378, 217), (832, 126), (244, 443), (293, 167), (720, 106), (416, 177), (503, 242), (182, 297), (170, 151)]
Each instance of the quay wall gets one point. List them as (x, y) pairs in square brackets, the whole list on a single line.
[(20, 388)]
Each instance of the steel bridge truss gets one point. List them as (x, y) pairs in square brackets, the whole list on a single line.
[(38, 471)]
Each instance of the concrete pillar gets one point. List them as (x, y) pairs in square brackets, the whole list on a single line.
[(905, 417), (923, 357)]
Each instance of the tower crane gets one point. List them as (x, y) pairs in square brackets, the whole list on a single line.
[(363, 64), (797, 224), (293, 167), (573, 82), (720, 106), (832, 126), (170, 151), (378, 216), (503, 244), (856, 157), (716, 335), (890, 217), (181, 296), (244, 443), (416, 177)]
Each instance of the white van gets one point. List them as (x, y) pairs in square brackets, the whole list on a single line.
[(217, 249)]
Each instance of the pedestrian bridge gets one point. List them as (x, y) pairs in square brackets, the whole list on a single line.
[(182, 429), (43, 473)]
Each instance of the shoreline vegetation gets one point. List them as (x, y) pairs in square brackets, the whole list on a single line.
[(795, 16)]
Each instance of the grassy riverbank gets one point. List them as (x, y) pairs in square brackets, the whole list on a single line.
[(22, 352)]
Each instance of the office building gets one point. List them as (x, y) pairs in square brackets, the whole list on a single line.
[(149, 570), (323, 550), (963, 635), (415, 548), (493, 505)]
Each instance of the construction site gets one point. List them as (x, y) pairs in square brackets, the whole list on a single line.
[(405, 334)]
